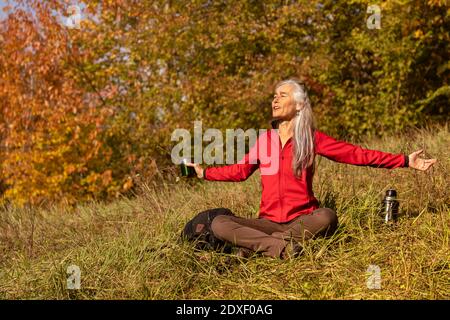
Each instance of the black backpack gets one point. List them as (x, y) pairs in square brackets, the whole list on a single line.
[(198, 230)]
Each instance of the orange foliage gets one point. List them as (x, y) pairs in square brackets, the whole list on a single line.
[(51, 129)]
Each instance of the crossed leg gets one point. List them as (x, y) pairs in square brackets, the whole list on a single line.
[(271, 238)]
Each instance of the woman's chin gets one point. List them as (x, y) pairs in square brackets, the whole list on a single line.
[(279, 116)]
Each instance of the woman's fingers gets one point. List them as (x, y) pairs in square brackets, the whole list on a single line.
[(420, 163), (426, 164), (416, 154), (430, 163), (197, 167)]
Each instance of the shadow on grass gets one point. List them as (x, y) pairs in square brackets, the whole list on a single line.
[(413, 213), (328, 200)]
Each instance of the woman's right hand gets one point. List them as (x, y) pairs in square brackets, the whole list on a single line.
[(198, 169)]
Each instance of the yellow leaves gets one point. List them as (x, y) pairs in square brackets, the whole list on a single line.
[(92, 178), (87, 24), (70, 169), (128, 184), (418, 34), (107, 177), (437, 3), (77, 132)]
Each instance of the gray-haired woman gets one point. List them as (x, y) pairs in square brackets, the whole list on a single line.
[(289, 213)]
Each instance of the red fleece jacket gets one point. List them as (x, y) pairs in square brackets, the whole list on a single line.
[(284, 196)]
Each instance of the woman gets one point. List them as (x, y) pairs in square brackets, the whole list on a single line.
[(289, 212)]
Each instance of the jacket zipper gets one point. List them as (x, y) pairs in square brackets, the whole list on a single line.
[(281, 180), (279, 185)]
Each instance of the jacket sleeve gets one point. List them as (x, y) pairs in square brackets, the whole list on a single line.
[(235, 172), (344, 152)]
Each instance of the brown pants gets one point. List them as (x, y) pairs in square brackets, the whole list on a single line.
[(270, 238)]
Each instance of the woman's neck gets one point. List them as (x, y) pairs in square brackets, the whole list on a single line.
[(285, 128)]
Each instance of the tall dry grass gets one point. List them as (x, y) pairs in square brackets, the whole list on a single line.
[(129, 249)]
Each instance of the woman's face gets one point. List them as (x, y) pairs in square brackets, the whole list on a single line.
[(283, 105)]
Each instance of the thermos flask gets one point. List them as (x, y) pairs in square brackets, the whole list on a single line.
[(185, 170), (389, 206)]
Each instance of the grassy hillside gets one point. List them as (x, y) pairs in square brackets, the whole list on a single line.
[(128, 249)]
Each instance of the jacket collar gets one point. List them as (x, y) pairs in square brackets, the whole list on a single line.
[(274, 123)]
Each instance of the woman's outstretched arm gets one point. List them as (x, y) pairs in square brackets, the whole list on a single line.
[(234, 172), (240, 171), (345, 152)]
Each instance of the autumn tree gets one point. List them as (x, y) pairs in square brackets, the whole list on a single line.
[(88, 111)]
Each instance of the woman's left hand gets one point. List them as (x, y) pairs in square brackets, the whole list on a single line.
[(419, 163)]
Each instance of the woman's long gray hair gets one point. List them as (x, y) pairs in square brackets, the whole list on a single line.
[(304, 127)]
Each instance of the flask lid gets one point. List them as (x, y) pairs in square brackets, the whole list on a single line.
[(391, 193)]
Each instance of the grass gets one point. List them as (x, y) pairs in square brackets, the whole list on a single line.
[(128, 249)]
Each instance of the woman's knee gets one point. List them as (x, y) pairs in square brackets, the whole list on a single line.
[(219, 225), (329, 218)]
